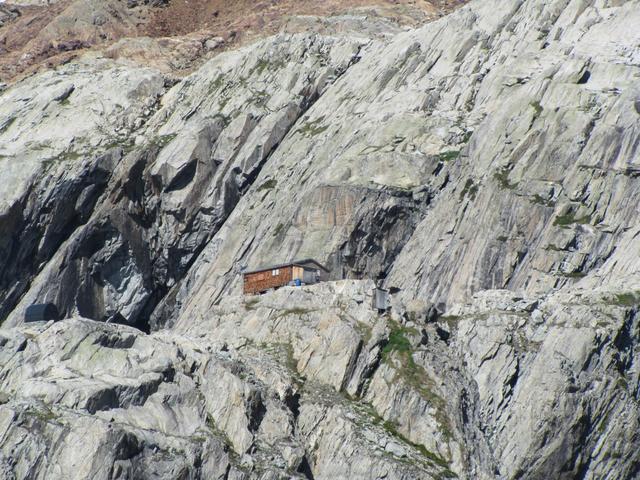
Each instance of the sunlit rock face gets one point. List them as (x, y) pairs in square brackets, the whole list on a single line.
[(483, 168)]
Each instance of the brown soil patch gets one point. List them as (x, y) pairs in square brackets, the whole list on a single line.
[(22, 48), (15, 36), (233, 18), (27, 43)]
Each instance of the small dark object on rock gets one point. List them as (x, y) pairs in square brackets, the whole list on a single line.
[(151, 3), (432, 314), (443, 334), (71, 45), (584, 78)]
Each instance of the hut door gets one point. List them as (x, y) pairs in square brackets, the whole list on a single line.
[(298, 274)]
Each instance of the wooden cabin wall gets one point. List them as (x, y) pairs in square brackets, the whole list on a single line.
[(262, 281)]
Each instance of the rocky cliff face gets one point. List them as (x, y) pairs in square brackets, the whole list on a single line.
[(484, 166)]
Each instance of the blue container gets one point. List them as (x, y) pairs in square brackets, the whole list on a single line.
[(297, 282)]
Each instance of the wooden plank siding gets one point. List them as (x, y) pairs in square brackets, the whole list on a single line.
[(257, 282)]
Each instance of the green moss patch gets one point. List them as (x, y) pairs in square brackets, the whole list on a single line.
[(278, 229), (537, 107), (574, 275), (251, 302), (295, 311), (63, 157), (448, 156), (571, 219), (163, 140), (470, 190), (538, 200), (311, 129), (216, 84), (44, 414), (627, 299), (398, 342), (399, 352), (268, 185), (502, 177)]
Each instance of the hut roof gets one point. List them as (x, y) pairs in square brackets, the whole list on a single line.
[(295, 263)]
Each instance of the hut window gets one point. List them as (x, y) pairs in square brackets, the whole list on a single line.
[(275, 272)]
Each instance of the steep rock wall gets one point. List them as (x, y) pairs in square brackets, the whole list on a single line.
[(484, 165)]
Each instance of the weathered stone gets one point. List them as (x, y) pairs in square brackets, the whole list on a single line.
[(483, 168)]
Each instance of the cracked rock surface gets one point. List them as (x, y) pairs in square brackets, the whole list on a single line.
[(483, 167), (201, 403)]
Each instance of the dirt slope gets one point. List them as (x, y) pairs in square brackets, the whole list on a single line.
[(33, 37)]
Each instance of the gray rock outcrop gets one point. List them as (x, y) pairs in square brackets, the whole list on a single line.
[(217, 400), (483, 167)]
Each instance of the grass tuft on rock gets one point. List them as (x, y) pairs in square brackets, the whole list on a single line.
[(397, 342), (391, 428), (398, 350)]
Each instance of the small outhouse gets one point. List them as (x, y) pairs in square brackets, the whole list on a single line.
[(380, 300)]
